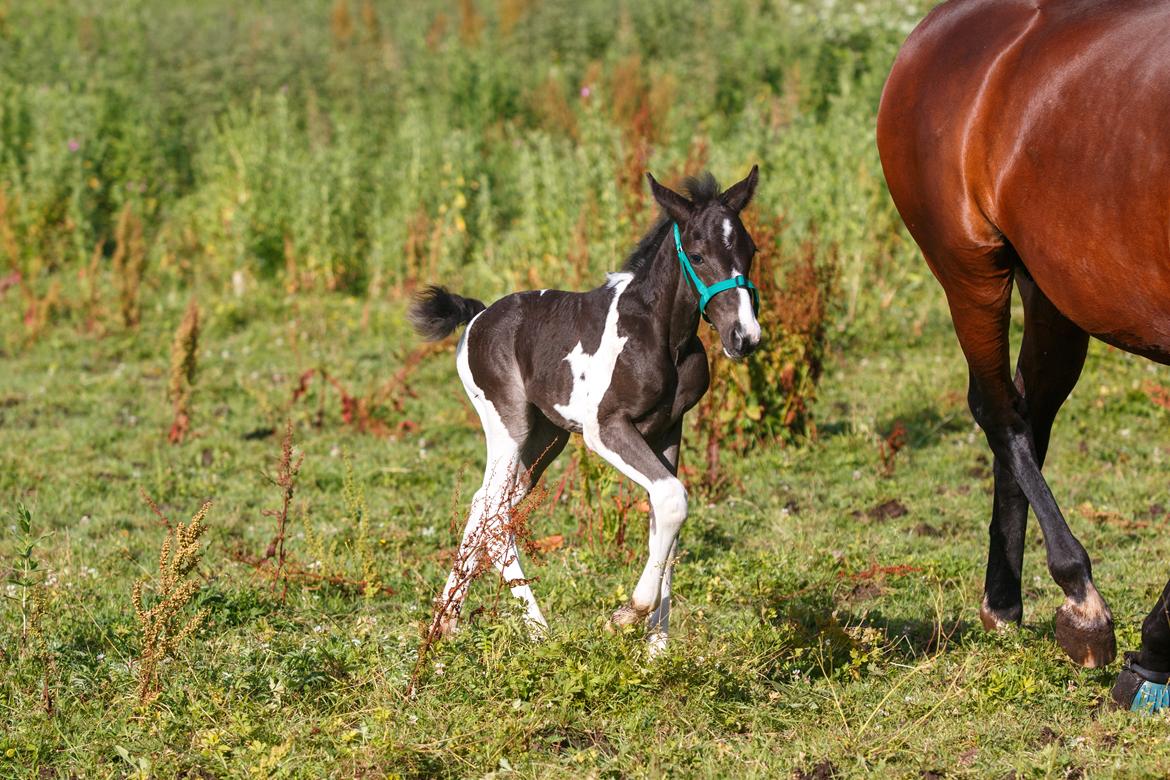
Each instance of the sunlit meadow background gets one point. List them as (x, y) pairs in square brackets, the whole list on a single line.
[(292, 172)]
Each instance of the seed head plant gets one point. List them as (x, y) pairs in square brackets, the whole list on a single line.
[(286, 479), (359, 516), (28, 578), (165, 623), (26, 574), (129, 260), (184, 355)]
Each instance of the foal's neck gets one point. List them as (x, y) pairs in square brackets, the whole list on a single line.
[(669, 298)]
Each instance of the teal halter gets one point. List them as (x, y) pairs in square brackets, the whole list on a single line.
[(707, 293)]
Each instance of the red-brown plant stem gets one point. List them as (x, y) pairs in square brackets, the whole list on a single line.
[(286, 478)]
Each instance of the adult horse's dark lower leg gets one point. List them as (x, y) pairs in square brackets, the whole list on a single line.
[(1084, 625), (1052, 355)]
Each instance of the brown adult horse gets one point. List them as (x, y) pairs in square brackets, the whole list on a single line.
[(1029, 141)]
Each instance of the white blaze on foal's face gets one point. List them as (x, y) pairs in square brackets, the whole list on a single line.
[(747, 315), (720, 248)]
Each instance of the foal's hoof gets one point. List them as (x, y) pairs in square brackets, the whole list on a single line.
[(625, 615), (1140, 690), (1087, 638)]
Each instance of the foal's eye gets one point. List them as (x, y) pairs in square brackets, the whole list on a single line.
[(697, 259)]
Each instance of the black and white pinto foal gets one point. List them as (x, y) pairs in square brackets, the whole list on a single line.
[(620, 364)]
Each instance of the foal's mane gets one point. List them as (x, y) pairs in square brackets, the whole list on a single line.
[(702, 190)]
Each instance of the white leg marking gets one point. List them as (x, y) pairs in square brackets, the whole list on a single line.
[(490, 507), (668, 502), (658, 625)]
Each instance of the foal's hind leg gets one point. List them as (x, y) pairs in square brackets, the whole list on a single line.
[(1051, 357), (978, 289), (485, 532), (541, 446), (516, 458), (512, 469)]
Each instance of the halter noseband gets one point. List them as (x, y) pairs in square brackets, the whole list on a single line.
[(707, 293)]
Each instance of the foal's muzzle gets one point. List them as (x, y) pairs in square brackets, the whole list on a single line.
[(740, 345)]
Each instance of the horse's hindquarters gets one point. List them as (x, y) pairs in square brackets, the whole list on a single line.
[(1043, 128)]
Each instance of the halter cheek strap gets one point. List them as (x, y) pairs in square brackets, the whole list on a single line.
[(707, 293)]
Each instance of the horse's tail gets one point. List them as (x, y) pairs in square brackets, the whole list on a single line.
[(436, 313)]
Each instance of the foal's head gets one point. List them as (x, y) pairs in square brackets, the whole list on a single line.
[(718, 248)]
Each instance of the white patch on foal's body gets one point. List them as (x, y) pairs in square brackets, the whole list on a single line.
[(727, 233), (592, 376), (618, 279)]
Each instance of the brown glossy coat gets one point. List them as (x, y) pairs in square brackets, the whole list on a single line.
[(1047, 126), (1030, 142)]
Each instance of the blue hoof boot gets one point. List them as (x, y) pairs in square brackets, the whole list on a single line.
[(1141, 690)]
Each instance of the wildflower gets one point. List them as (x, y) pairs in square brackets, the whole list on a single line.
[(74, 145), (586, 92)]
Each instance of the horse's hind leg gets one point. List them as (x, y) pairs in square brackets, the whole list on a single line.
[(485, 531), (541, 446), (512, 469), (1051, 357), (978, 286)]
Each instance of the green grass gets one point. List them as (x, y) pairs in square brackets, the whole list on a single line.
[(805, 631), (781, 655)]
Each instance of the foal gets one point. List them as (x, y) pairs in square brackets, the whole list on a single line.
[(619, 364)]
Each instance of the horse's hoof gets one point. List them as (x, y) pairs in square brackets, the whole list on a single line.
[(1139, 689), (625, 615), (1086, 635), (996, 619)]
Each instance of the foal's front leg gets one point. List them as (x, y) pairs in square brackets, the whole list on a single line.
[(620, 443), (658, 625)]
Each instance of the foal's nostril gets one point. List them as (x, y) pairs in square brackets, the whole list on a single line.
[(737, 340)]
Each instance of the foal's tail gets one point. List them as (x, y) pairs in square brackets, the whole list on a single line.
[(436, 313)]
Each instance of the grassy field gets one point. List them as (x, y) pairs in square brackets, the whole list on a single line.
[(297, 174)]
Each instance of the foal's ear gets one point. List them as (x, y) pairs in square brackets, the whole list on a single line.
[(676, 206), (738, 195)]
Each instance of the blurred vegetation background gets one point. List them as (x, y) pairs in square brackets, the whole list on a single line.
[(365, 147)]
